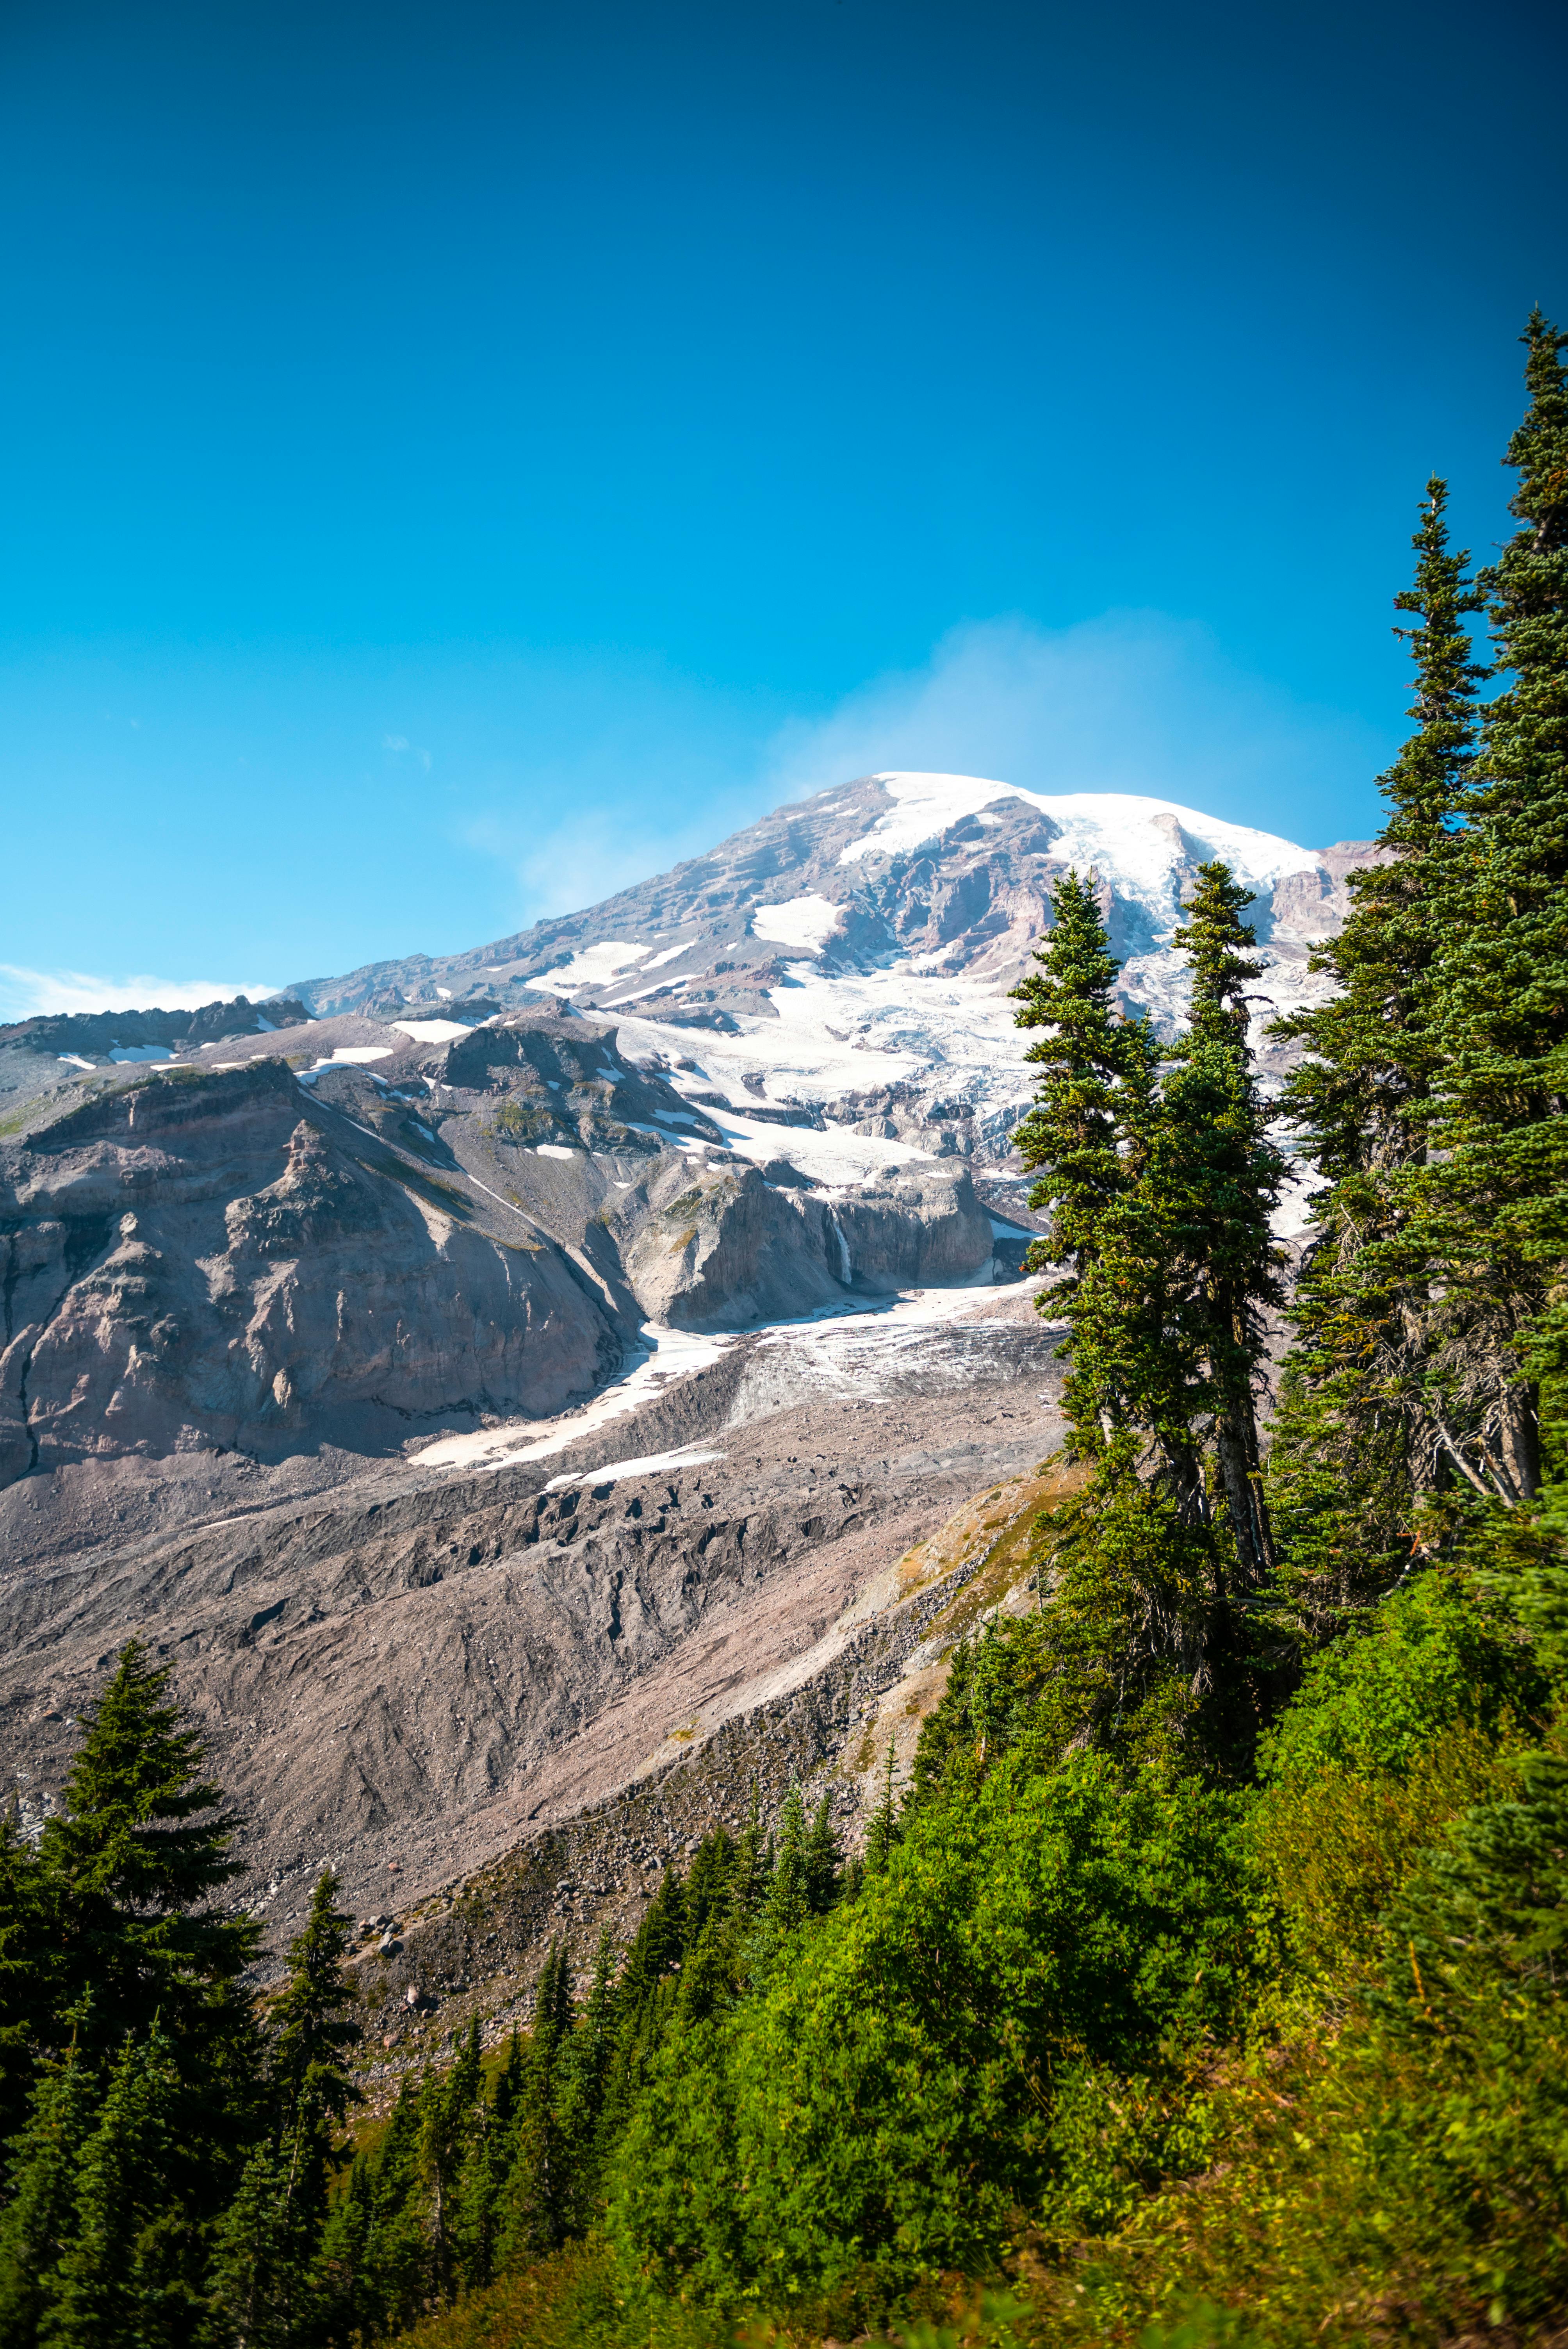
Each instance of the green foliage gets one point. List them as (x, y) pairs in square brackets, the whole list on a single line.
[(875, 2111)]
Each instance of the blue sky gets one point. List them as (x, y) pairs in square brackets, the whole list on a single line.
[(460, 460)]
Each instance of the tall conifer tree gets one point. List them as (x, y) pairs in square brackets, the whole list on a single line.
[(1356, 1449), (1495, 1196), (1085, 1122)]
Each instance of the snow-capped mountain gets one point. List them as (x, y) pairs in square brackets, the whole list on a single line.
[(850, 956)]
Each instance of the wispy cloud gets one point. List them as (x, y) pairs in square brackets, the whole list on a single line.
[(582, 859), (1133, 701), (400, 742), (24, 994)]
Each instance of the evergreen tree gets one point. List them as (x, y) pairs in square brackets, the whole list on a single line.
[(1172, 1271), (394, 2281), (27, 1968), (1232, 1175), (1097, 1069), (36, 2222), (313, 2030), (131, 2273), (492, 2151), (344, 2301), (132, 1868), (135, 1859), (882, 1827), (821, 1859), (541, 2191), (788, 1894), (1356, 1450), (272, 2232), (750, 1879), (585, 2069), (1495, 1195), (449, 2109), (260, 2272)]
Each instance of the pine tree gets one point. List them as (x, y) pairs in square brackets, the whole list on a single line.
[(27, 1990), (38, 2213), (1166, 1308), (272, 2232), (1098, 1069), (1355, 1447), (261, 2274), (821, 1859), (394, 2281), (788, 1896), (131, 1870), (448, 2110), (585, 2068), (750, 1882), (883, 1827), (482, 2186), (541, 2191), (132, 2270), (313, 2029), (1232, 1174), (344, 2303), (1495, 1195)]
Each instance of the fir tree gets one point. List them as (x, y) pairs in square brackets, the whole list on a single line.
[(261, 2275), (1493, 1196), (393, 2281), (750, 1879), (1214, 1128), (788, 1896), (1166, 1311), (132, 2268), (313, 2030), (586, 2063), (27, 1990), (449, 2109), (882, 1827), (540, 2191), (1096, 1069), (1355, 1447), (344, 2303), (821, 1859), (272, 2232), (36, 2223), (491, 2150), (132, 1868)]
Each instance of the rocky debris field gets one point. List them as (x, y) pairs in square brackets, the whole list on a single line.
[(476, 1947), (409, 1672)]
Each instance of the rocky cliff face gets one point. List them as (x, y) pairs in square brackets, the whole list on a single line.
[(239, 1254), (215, 1260)]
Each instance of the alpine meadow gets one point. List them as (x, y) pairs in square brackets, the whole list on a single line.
[(1196, 1984)]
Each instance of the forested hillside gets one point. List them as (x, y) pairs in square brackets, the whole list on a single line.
[(1203, 1985)]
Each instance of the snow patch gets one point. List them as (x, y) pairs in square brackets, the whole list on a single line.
[(806, 922), (649, 1465), (593, 966), (665, 1354), (431, 1031)]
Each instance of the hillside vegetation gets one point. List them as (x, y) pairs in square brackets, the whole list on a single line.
[(1203, 1987)]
